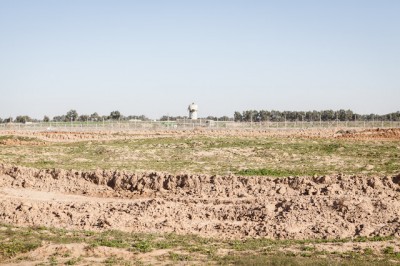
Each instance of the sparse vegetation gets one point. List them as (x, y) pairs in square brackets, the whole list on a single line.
[(267, 172), (245, 155), (193, 248), (210, 155)]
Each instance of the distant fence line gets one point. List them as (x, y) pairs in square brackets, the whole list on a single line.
[(187, 125)]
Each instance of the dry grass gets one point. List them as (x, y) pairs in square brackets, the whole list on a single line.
[(213, 155), (16, 242)]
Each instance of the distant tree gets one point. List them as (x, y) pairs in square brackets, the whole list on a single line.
[(246, 115), (315, 115), (59, 118), (115, 115), (95, 117), (133, 117), (275, 116), (83, 118), (237, 116), (264, 115), (144, 118), (251, 115), (8, 120), (324, 115), (46, 119), (328, 115), (22, 119), (71, 115), (19, 119), (137, 117), (341, 115), (394, 116), (349, 115), (167, 118)]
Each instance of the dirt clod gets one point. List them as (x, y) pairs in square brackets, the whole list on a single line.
[(336, 206)]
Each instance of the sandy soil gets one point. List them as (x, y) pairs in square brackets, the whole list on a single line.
[(65, 136), (225, 207), (211, 206), (85, 255), (378, 133)]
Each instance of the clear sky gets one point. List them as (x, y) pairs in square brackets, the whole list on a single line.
[(156, 57)]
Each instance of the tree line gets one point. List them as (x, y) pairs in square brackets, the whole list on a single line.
[(325, 115), (245, 116), (72, 116)]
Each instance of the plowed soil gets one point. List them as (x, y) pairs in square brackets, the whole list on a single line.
[(331, 133), (213, 206)]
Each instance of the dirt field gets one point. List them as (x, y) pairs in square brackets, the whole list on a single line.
[(221, 207), (257, 201), (376, 133)]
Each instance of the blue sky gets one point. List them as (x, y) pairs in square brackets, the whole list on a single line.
[(155, 57)]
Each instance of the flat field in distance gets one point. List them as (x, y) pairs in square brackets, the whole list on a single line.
[(202, 154)]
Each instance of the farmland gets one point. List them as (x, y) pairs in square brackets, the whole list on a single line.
[(310, 196)]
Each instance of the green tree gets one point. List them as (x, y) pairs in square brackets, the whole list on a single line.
[(264, 115), (72, 115), (83, 118), (349, 115), (95, 117), (115, 115), (23, 119), (166, 118), (223, 118), (341, 115), (46, 119), (237, 116), (250, 115), (59, 118)]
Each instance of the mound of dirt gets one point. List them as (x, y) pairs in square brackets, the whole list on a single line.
[(378, 133), (213, 206)]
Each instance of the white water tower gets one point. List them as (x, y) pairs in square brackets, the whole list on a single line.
[(193, 111)]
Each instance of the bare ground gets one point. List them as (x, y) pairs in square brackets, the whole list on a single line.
[(213, 206), (333, 133), (226, 207)]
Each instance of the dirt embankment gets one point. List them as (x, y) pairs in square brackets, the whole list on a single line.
[(218, 206), (378, 133)]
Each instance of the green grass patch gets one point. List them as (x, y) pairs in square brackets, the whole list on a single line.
[(283, 259), (12, 248), (190, 248), (274, 157), (179, 257)]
